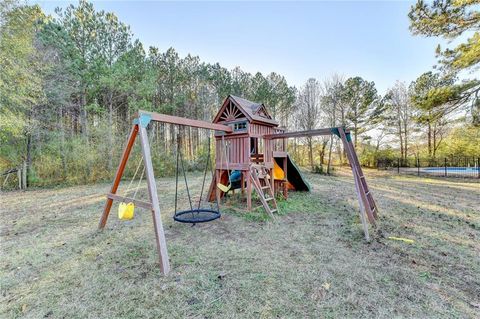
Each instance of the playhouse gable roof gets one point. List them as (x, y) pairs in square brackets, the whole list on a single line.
[(254, 112)]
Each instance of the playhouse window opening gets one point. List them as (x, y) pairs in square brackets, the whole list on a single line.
[(241, 126), (253, 145), (256, 145)]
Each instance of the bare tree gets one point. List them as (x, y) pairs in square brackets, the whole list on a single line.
[(309, 111), (397, 115), (333, 107)]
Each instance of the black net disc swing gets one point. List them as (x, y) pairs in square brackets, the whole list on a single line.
[(195, 214)]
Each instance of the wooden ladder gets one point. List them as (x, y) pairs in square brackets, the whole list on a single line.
[(367, 203), (257, 174)]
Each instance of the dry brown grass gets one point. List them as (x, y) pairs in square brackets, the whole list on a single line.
[(312, 262)]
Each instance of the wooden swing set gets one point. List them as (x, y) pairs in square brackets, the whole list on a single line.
[(253, 146)]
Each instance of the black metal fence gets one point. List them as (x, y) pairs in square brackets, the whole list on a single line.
[(467, 167)]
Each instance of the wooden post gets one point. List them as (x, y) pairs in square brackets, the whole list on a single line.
[(418, 166), (24, 175), (19, 176), (242, 182), (152, 191), (249, 191), (272, 180), (118, 175), (285, 183), (218, 177), (362, 208), (445, 166), (478, 167), (357, 173)]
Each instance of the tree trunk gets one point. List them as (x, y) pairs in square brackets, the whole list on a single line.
[(405, 143), (330, 155), (429, 136), (356, 133), (62, 144), (295, 148), (400, 137), (322, 153), (28, 159), (28, 162), (25, 170), (110, 131), (310, 152), (83, 114)]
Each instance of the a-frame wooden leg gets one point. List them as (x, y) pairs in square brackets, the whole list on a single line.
[(361, 193), (118, 175), (362, 209), (152, 191)]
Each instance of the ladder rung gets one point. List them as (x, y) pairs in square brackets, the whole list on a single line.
[(273, 210), (265, 187), (268, 199)]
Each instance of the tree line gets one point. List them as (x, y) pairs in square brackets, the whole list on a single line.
[(70, 84)]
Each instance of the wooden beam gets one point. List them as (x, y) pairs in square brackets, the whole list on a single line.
[(152, 191), (308, 133), (118, 175), (279, 154), (186, 122), (139, 203), (359, 187)]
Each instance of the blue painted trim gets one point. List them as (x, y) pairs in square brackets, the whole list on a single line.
[(335, 131), (143, 120), (349, 137)]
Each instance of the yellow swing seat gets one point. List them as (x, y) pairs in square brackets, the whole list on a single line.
[(224, 188), (126, 211)]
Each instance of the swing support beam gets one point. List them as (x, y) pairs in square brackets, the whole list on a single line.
[(139, 128)]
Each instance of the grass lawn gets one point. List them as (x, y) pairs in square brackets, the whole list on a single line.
[(311, 262)]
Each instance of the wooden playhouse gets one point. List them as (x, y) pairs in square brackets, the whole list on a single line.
[(247, 151)]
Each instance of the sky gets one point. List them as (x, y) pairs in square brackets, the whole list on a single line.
[(298, 40)]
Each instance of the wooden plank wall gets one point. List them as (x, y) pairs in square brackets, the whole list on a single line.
[(279, 145), (257, 130), (238, 152)]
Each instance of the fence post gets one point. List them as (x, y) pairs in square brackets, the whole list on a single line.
[(24, 175), (19, 177), (398, 165), (445, 159), (478, 167)]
